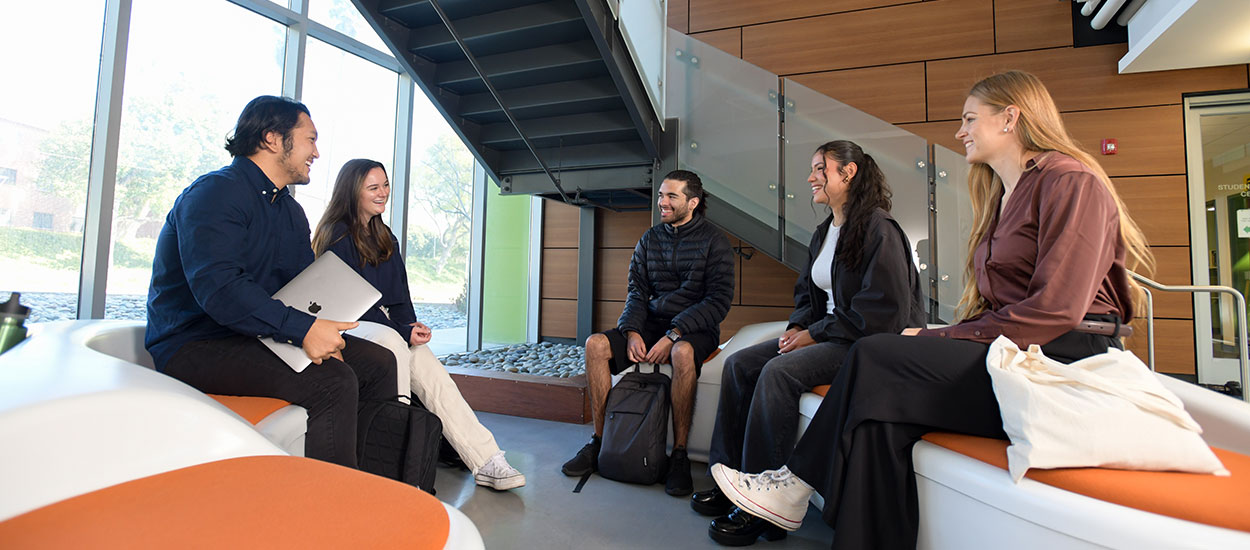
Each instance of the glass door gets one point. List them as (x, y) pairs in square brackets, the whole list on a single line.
[(1217, 137)]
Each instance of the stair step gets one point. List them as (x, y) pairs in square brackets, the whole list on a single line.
[(544, 100), (419, 13), (594, 155), (525, 27), (572, 129), (531, 67)]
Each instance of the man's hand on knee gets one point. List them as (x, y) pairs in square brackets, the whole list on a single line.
[(636, 348), (324, 340), (659, 353)]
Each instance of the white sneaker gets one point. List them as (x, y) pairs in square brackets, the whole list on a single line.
[(778, 496), (498, 474)]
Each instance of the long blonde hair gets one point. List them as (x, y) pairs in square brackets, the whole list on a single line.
[(1040, 129)]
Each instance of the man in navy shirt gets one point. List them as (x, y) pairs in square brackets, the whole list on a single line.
[(232, 239)]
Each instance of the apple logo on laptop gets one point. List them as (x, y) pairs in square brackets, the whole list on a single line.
[(313, 307)]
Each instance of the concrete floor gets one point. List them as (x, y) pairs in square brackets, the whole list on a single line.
[(547, 514)]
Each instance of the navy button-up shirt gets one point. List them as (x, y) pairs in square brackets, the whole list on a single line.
[(229, 243)]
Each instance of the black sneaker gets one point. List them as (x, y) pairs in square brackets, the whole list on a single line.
[(679, 483), (586, 461)]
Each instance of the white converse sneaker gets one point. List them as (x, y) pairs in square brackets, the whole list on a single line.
[(498, 474), (777, 496)]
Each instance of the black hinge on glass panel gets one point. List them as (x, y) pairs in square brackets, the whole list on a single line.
[(783, 103), (930, 168)]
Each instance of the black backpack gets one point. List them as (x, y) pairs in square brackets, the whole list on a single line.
[(635, 428), (399, 441)]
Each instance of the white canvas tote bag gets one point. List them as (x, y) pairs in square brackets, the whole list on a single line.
[(1107, 410)]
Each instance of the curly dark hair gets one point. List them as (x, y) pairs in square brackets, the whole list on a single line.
[(867, 192), (693, 188)]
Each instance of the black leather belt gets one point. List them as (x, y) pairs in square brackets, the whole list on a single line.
[(1104, 328)]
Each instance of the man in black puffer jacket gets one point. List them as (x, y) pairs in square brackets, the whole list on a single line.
[(681, 281)]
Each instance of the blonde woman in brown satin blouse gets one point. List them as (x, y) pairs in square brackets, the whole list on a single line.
[(1051, 248)]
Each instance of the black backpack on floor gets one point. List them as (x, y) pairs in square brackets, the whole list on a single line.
[(635, 428), (399, 441)]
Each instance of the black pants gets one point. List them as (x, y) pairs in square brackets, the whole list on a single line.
[(758, 413), (890, 391), (331, 391)]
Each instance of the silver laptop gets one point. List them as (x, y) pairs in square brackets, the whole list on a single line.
[(327, 289)]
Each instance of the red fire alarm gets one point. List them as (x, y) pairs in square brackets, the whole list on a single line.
[(1109, 146)]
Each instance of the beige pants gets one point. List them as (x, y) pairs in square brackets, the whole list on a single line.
[(429, 382)]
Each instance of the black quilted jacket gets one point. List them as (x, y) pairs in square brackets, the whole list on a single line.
[(680, 277), (882, 294)]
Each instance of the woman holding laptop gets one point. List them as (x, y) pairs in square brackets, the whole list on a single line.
[(352, 228)]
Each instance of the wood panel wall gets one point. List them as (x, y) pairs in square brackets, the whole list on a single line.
[(557, 314), (911, 63)]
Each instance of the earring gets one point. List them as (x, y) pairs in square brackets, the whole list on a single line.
[(846, 180), (1006, 129)]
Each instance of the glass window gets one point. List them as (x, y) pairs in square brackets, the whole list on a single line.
[(46, 110), (342, 16), (185, 87), (352, 102), (440, 206), (41, 220), (505, 269)]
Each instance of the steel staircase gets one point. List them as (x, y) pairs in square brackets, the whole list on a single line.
[(543, 92)]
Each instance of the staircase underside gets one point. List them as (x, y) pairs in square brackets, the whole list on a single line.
[(558, 67)]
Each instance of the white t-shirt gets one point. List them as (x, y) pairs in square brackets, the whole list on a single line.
[(822, 268)]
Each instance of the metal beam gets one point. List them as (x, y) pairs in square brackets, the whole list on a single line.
[(581, 181), (296, 47), (534, 278), (477, 256), (401, 167), (585, 273), (102, 174)]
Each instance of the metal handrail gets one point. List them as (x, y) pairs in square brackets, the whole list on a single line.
[(498, 99), (1243, 349)]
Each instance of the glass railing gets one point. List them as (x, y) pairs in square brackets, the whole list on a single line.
[(813, 119), (727, 127), (750, 135), (644, 25), (953, 217)]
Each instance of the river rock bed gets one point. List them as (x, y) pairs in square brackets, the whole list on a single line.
[(544, 359), (62, 306)]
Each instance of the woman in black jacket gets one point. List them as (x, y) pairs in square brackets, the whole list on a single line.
[(860, 280)]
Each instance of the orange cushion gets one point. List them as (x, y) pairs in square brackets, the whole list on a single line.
[(255, 502), (1207, 499), (821, 390), (252, 409)]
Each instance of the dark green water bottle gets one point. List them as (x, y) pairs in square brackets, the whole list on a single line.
[(12, 322)]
